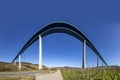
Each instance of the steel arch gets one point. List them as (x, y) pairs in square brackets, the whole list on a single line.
[(60, 27)]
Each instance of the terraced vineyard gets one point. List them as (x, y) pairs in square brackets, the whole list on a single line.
[(111, 73)]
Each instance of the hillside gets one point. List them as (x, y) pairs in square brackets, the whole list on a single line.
[(5, 66)]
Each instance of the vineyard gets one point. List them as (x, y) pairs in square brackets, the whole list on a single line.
[(91, 74)]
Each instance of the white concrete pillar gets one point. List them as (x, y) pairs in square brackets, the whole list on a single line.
[(15, 62), (40, 52), (84, 55), (19, 62), (102, 63), (97, 61)]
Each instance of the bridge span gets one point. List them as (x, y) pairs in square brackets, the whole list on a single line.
[(59, 27)]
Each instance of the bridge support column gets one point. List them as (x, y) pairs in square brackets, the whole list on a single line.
[(97, 61), (40, 52), (15, 62), (84, 55), (102, 63), (19, 62)]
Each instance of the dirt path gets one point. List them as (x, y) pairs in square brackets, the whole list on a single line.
[(55, 76)]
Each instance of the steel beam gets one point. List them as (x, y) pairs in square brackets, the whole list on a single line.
[(84, 55), (40, 52)]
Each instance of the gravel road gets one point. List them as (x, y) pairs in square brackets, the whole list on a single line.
[(55, 76)]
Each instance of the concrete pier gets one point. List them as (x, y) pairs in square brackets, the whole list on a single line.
[(84, 55), (40, 52), (19, 62)]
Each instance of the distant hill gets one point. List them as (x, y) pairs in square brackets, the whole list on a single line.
[(100, 67), (66, 67), (6, 66), (111, 67)]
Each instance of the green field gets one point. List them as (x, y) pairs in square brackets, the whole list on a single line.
[(91, 74)]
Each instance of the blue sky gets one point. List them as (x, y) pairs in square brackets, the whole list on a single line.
[(98, 20)]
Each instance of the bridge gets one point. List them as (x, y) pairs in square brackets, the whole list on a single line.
[(60, 27)]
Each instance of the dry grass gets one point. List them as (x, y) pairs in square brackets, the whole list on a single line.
[(5, 67), (18, 78)]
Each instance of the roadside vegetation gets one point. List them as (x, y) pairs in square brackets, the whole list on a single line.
[(106, 73), (18, 78)]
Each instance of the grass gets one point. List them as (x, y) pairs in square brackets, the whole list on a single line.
[(4, 66), (91, 74), (8, 67), (18, 78)]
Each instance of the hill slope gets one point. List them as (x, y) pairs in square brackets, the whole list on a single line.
[(5, 66)]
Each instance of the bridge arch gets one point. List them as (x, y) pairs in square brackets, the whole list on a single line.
[(60, 27)]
